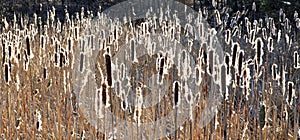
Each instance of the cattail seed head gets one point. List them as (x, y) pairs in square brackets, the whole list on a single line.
[(176, 93), (7, 73), (228, 37), (274, 72), (240, 63), (270, 44), (296, 60), (291, 92), (259, 52), (235, 49)]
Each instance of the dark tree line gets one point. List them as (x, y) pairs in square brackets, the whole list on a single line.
[(263, 7)]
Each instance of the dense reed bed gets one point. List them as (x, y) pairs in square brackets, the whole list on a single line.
[(38, 99)]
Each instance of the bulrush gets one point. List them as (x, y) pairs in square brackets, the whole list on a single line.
[(227, 62), (270, 44), (108, 69), (240, 62), (264, 33), (29, 48), (172, 33), (275, 75), (247, 81), (248, 25), (105, 95), (296, 60), (218, 18), (223, 81), (176, 93), (161, 70), (211, 62), (279, 36), (235, 31), (235, 49), (3, 50), (124, 101), (291, 93), (7, 70), (45, 75), (39, 122), (240, 68), (228, 36), (259, 53)]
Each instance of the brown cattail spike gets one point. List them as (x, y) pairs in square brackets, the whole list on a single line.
[(290, 88), (108, 69), (176, 93), (296, 59), (223, 80), (104, 98), (132, 49), (234, 53), (227, 57), (45, 72), (28, 46), (6, 71), (81, 62), (241, 58)]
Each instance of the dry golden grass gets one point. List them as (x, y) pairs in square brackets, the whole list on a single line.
[(38, 101)]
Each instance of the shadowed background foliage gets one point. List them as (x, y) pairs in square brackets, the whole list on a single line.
[(28, 7)]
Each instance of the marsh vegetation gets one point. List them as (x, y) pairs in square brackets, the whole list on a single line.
[(261, 72)]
